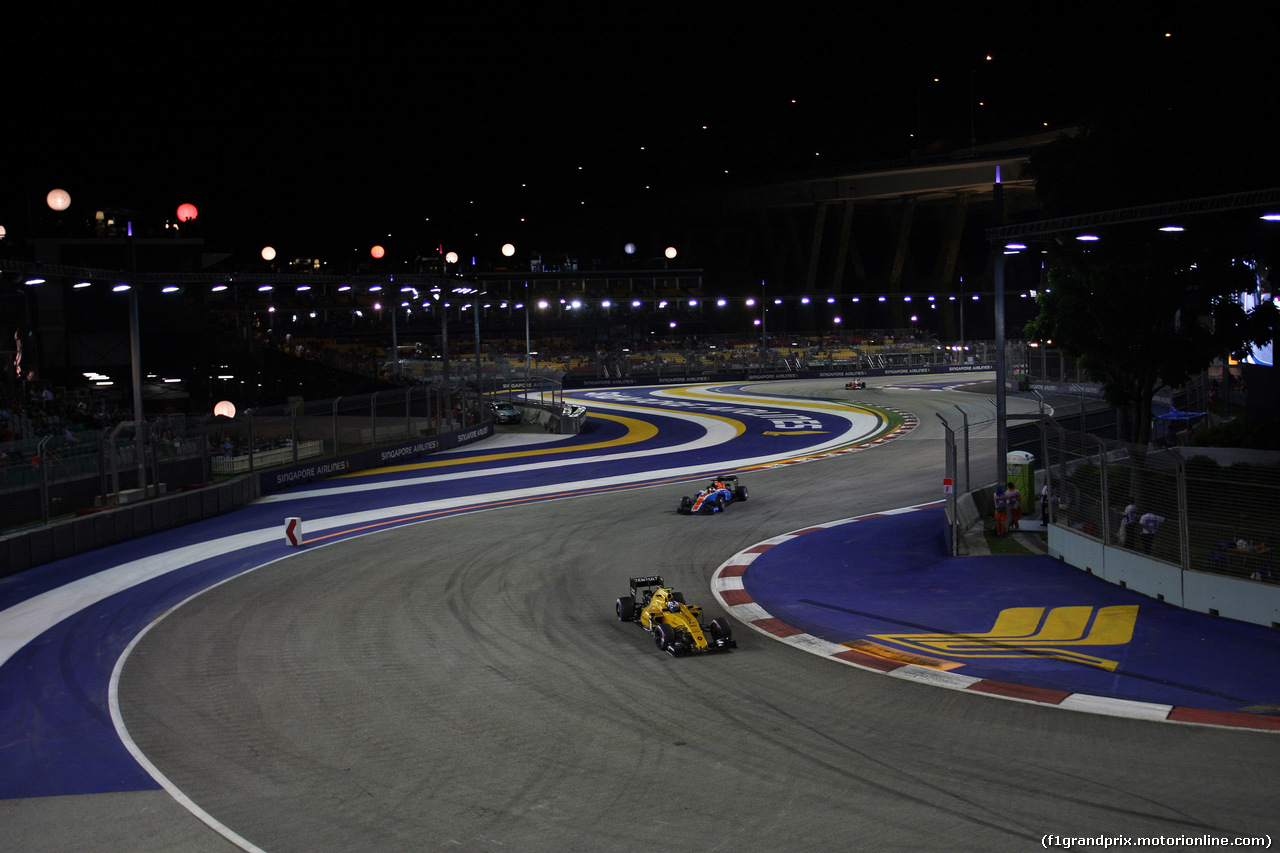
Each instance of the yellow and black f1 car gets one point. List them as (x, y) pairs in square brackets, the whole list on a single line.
[(676, 627)]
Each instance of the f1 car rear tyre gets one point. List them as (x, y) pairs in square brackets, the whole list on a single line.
[(626, 609), (740, 494)]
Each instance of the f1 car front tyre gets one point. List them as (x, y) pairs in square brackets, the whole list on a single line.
[(664, 636), (720, 629), (626, 609)]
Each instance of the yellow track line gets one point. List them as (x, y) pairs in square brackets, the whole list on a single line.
[(637, 431)]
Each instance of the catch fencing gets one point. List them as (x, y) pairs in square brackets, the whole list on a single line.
[(1208, 509), (50, 477)]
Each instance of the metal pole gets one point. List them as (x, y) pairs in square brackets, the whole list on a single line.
[(475, 310), (1103, 468), (1002, 372), (155, 456), (249, 435), (204, 454), (764, 336), (949, 473), (444, 355), (395, 342), (42, 470), (135, 358), (336, 449), (964, 419)]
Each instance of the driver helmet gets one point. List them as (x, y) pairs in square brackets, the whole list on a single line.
[(673, 605)]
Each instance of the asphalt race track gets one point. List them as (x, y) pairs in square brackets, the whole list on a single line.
[(463, 684)]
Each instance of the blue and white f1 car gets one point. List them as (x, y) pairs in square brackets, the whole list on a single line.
[(721, 492)]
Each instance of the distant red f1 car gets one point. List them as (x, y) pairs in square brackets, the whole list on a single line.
[(856, 385)]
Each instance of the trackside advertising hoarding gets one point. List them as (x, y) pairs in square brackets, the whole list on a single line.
[(393, 454)]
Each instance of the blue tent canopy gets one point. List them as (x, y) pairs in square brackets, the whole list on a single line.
[(1176, 414)]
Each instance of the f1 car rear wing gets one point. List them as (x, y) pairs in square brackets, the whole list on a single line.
[(648, 581)]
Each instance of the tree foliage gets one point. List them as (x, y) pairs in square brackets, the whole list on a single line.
[(1139, 318), (1142, 310)]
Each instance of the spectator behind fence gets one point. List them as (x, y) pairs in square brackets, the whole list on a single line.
[(1047, 502), (1129, 524), (1150, 523)]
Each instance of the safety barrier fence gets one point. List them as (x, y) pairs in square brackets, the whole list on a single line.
[(44, 478), (1210, 534), (1205, 509), (60, 476)]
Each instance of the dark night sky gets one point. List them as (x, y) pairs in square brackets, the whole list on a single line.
[(325, 135)]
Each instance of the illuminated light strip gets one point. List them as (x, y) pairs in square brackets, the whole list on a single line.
[(728, 588)]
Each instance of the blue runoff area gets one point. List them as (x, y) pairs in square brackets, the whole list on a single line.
[(888, 581)]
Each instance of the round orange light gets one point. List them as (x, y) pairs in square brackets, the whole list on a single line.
[(187, 212), (226, 408), (377, 251)]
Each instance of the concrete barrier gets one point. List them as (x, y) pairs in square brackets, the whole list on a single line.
[(27, 549)]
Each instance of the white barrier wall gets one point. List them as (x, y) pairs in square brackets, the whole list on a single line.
[(1235, 598)]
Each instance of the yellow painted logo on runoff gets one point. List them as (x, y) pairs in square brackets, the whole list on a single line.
[(1059, 633)]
